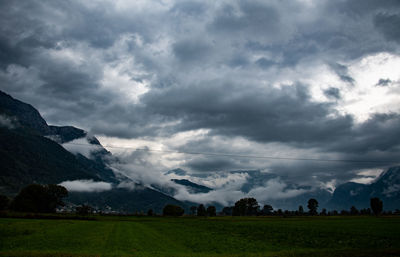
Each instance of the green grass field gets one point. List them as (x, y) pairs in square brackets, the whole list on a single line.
[(221, 236)]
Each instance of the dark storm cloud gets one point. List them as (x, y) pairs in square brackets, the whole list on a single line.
[(264, 63), (332, 92), (389, 25), (246, 17), (269, 115), (191, 50), (376, 134), (189, 8), (362, 7), (206, 65)]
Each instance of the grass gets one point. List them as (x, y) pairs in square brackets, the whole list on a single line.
[(186, 236)]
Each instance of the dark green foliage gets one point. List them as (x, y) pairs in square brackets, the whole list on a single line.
[(84, 210), (267, 209), (354, 211), (301, 210), (39, 198), (172, 210), (150, 212), (246, 207), (376, 205), (211, 211), (227, 211), (312, 206), (201, 210), (193, 210), (4, 202), (366, 211)]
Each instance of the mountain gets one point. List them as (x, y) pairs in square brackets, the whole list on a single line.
[(125, 200), (192, 187), (23, 115), (31, 151), (386, 187), (27, 158)]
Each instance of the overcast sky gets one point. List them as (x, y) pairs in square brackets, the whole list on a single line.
[(291, 78)]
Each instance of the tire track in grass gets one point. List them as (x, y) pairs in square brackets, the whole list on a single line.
[(159, 243), (109, 242), (122, 240)]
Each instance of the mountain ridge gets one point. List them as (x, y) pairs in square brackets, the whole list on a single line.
[(34, 152)]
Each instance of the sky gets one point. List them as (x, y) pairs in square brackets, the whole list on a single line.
[(289, 79)]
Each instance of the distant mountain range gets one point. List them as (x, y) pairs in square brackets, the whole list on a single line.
[(386, 187), (31, 151)]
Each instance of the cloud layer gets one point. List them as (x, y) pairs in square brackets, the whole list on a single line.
[(86, 186), (304, 79)]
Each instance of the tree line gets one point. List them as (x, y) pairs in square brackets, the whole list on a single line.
[(46, 198), (250, 207)]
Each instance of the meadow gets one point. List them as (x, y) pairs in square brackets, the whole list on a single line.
[(192, 236)]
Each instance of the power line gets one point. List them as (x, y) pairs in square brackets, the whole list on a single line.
[(244, 156)]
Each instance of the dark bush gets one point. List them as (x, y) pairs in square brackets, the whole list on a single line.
[(4, 202), (39, 198), (211, 211), (172, 210)]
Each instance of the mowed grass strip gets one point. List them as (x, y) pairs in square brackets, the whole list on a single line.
[(227, 236)]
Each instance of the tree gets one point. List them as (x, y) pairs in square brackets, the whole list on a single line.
[(201, 210), (4, 202), (301, 210), (172, 210), (211, 211), (312, 206), (267, 209), (150, 212), (246, 206), (366, 211), (227, 210), (193, 210), (39, 198), (376, 205), (323, 212), (354, 211)]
